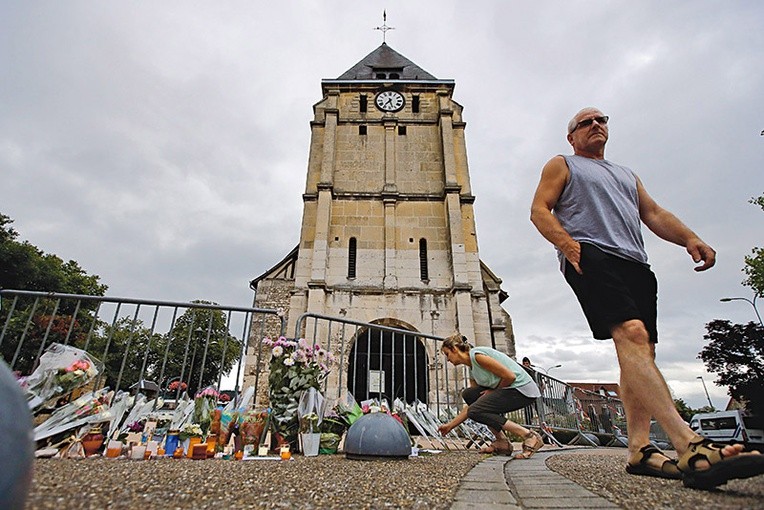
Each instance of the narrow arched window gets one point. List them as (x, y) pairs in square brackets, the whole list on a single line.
[(351, 257), (423, 273)]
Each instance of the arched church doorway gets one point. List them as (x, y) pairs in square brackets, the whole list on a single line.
[(388, 364)]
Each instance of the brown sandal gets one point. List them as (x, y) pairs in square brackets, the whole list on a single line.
[(667, 470), (721, 469), (531, 444)]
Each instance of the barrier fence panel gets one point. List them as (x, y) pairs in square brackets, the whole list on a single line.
[(176, 347), (146, 345), (382, 362)]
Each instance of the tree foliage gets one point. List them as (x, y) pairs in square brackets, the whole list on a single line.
[(735, 352), (199, 339), (754, 263), (196, 350), (687, 412), (23, 266)]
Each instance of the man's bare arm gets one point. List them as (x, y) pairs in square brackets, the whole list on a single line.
[(668, 227), (554, 176)]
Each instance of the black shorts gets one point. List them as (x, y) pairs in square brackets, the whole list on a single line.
[(613, 290)]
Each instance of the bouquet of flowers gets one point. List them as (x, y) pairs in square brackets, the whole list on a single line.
[(252, 427), (310, 411), (190, 430), (62, 368), (204, 403), (348, 410), (177, 385), (295, 366)]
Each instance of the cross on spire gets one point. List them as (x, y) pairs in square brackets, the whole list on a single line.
[(384, 28)]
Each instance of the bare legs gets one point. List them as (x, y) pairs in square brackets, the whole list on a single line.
[(645, 394)]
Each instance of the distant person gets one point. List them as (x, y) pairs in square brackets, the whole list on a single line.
[(528, 410), (591, 210), (498, 385)]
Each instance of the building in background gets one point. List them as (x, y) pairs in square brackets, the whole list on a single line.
[(388, 230)]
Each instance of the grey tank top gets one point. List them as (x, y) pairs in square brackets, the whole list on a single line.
[(599, 205)]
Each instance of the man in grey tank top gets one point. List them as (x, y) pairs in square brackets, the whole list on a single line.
[(591, 210)]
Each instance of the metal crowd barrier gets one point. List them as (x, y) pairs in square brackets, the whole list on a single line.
[(376, 361), (143, 344)]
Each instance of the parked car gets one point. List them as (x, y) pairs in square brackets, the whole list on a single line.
[(729, 427)]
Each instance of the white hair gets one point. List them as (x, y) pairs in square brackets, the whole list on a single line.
[(574, 122)]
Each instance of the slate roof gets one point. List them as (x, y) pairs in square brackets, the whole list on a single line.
[(385, 57)]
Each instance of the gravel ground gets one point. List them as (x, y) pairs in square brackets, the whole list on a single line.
[(327, 481), (602, 472)]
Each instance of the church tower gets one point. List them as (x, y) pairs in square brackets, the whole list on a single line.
[(388, 230)]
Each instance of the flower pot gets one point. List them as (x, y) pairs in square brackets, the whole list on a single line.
[(310, 444), (92, 442)]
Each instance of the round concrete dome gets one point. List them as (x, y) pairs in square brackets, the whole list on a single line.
[(16, 448), (376, 435)]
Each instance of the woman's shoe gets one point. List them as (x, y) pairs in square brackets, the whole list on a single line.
[(531, 444)]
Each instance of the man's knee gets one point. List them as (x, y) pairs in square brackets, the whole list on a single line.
[(632, 331)]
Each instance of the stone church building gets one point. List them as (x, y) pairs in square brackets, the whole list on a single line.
[(388, 229)]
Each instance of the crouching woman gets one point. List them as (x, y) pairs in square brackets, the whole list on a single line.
[(498, 385)]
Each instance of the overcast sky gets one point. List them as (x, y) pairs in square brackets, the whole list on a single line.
[(164, 145)]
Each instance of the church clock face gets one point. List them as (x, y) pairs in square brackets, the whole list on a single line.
[(389, 101)]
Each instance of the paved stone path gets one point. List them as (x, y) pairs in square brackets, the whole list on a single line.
[(501, 483)]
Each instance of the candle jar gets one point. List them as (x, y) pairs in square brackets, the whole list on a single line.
[(114, 449), (192, 441), (171, 443), (138, 452), (285, 453), (212, 441)]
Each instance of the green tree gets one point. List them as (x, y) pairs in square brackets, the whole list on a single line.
[(754, 263), (683, 409), (198, 340), (23, 266), (687, 412), (125, 349), (735, 352)]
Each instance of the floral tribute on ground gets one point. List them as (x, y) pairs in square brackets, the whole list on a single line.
[(295, 367), (62, 369)]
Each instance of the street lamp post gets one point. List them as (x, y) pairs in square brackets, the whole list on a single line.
[(752, 303), (545, 370), (706, 390)]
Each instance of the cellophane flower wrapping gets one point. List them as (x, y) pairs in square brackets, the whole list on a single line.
[(310, 411), (61, 370), (252, 427), (348, 409), (295, 367), (204, 404)]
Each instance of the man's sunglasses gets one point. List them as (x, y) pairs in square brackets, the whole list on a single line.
[(602, 121)]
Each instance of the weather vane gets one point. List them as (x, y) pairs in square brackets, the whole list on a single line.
[(384, 28)]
